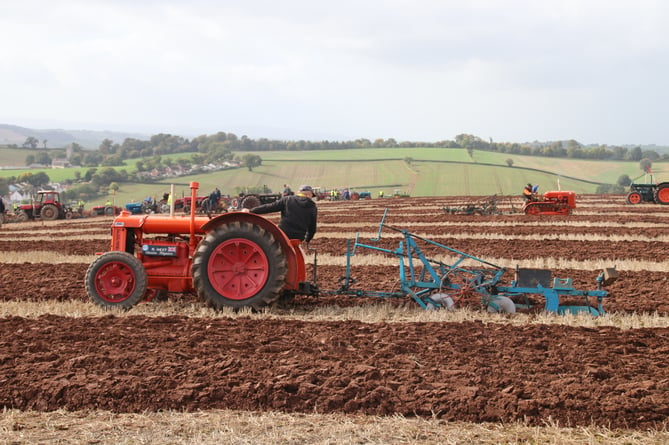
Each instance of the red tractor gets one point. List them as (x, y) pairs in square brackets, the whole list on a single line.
[(551, 203), (236, 260), (203, 205), (46, 206), (106, 210)]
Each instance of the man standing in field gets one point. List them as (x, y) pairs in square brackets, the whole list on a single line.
[(2, 211), (298, 213)]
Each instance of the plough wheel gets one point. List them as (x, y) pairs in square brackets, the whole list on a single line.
[(502, 304), (116, 279), (239, 265)]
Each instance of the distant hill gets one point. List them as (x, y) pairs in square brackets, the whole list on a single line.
[(58, 138)]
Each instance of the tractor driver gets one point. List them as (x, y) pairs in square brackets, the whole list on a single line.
[(528, 193), (298, 213)]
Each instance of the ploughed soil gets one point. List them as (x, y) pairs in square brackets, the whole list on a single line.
[(467, 371)]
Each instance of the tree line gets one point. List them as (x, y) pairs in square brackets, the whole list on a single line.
[(222, 144)]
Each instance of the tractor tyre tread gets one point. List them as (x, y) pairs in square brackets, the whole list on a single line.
[(273, 286), (249, 202), (662, 194), (49, 212)]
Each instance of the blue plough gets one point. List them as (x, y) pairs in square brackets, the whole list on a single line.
[(435, 284)]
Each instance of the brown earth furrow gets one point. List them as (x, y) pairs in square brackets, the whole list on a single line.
[(633, 292), (471, 371), (459, 371)]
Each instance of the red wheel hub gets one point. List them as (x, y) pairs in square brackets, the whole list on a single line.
[(238, 269), (635, 198), (115, 282)]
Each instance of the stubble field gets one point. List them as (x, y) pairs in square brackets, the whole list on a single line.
[(351, 358)]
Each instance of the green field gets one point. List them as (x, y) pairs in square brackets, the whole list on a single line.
[(431, 172)]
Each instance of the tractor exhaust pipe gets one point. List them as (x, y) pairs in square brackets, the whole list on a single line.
[(172, 201), (194, 186)]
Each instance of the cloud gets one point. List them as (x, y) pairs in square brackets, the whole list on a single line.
[(412, 70)]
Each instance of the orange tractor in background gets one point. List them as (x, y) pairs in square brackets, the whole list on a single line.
[(551, 203)]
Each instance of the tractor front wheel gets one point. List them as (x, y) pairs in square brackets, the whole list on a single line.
[(116, 279), (633, 198), (239, 265)]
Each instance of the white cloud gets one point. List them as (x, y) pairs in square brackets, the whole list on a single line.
[(413, 70)]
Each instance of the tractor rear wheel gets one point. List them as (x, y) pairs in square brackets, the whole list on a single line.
[(239, 265), (250, 201), (109, 211), (662, 194), (49, 212), (633, 198), (116, 279)]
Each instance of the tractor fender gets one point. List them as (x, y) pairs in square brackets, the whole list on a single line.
[(291, 248)]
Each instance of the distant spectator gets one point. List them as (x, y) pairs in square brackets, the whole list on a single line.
[(214, 197), (2, 211)]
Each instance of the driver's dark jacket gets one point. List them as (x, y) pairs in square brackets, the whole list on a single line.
[(298, 216)]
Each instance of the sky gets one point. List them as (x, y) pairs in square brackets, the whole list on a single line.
[(414, 70)]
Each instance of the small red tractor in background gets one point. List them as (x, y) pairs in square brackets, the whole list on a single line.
[(107, 210), (235, 259), (551, 203), (46, 205)]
